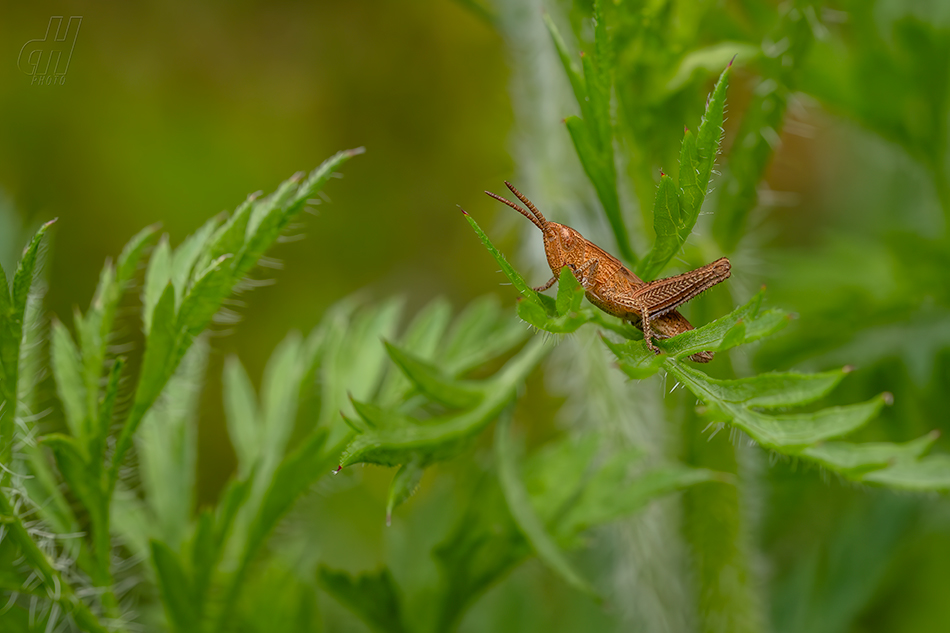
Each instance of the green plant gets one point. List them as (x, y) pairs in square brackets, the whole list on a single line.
[(98, 521)]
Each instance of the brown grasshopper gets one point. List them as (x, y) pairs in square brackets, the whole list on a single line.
[(612, 287)]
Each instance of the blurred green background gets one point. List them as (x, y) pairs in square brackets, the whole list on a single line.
[(171, 112)]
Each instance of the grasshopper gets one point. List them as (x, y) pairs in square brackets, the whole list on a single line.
[(612, 287)]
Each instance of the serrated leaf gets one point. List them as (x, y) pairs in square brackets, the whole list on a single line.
[(709, 136), (721, 334), (11, 335), (404, 485), (667, 223), (519, 504), (516, 279), (373, 597), (788, 433), (777, 389), (23, 277), (430, 381), (691, 192)]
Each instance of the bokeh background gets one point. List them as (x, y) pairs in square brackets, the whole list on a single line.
[(173, 111)]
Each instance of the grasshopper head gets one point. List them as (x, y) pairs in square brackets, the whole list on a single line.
[(563, 246)]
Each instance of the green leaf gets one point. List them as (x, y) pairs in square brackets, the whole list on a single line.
[(100, 433), (157, 276), (777, 389), (480, 333), (668, 224), (23, 278), (67, 370), (789, 433), (597, 159), (132, 253), (429, 380), (404, 485), (161, 348), (423, 337), (183, 268), (374, 598), (570, 293), (11, 334), (293, 477), (242, 414), (519, 504), (710, 59), (571, 69), (709, 137), (516, 279), (858, 460), (175, 587), (543, 320), (204, 297), (634, 358), (929, 473), (168, 451), (442, 437), (742, 325), (612, 493), (58, 589), (74, 467)]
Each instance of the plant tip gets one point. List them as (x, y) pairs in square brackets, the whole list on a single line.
[(732, 60), (464, 212), (338, 469), (888, 398), (662, 174), (934, 434), (847, 369), (685, 129), (389, 519), (356, 151)]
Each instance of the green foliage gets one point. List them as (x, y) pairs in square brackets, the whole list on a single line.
[(364, 387), (592, 132), (677, 208), (183, 290)]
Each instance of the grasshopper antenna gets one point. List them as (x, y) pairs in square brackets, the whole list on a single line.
[(517, 208), (527, 202)]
